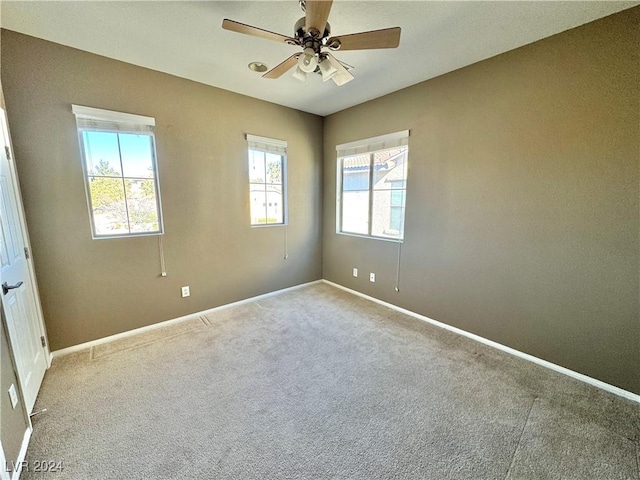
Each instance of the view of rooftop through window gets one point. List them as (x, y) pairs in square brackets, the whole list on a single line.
[(373, 193)]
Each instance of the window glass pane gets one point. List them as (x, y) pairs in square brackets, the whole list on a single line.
[(355, 173), (274, 168), (266, 187), (275, 213), (383, 174), (121, 175), (397, 198), (102, 155), (355, 212), (137, 155), (397, 219), (390, 169), (387, 218), (258, 204), (141, 205), (256, 167), (109, 209)]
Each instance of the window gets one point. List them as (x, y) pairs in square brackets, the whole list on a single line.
[(372, 183), (267, 180), (121, 178)]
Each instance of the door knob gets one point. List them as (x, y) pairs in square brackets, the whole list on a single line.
[(6, 288)]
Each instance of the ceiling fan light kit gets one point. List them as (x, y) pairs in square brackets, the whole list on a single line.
[(299, 74), (313, 33), (307, 62), (328, 71)]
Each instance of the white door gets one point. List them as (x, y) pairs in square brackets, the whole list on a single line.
[(18, 297)]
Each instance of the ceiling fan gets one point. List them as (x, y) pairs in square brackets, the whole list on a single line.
[(313, 33)]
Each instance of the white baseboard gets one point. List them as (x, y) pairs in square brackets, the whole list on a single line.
[(148, 328), (573, 374)]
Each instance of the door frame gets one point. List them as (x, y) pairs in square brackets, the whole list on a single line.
[(25, 238)]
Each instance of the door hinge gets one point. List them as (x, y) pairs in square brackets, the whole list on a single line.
[(43, 341), (7, 150), (26, 253)]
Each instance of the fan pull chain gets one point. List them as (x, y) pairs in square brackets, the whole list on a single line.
[(397, 289), (286, 246), (163, 272)]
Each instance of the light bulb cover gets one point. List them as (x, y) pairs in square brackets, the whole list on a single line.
[(307, 62), (327, 69), (300, 75)]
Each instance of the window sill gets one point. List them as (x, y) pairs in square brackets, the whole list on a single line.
[(371, 237), (266, 225), (127, 235)]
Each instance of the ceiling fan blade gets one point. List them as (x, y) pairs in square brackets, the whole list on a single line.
[(254, 31), (317, 13), (385, 38), (278, 71), (343, 76)]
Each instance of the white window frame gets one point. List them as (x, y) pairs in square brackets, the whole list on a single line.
[(278, 147), (96, 119), (368, 146)]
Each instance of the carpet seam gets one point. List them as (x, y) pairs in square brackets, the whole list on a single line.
[(524, 427), (144, 344)]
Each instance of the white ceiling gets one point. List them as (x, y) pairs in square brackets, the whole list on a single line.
[(186, 39)]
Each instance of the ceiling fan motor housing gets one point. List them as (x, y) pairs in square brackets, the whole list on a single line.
[(305, 37)]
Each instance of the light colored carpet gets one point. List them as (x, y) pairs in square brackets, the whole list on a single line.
[(162, 333), (318, 383)]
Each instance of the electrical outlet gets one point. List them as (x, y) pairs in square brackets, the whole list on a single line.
[(355, 272), (185, 291), (372, 277), (13, 395)]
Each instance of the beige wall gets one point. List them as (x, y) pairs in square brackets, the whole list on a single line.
[(522, 218), (94, 288), (13, 420)]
